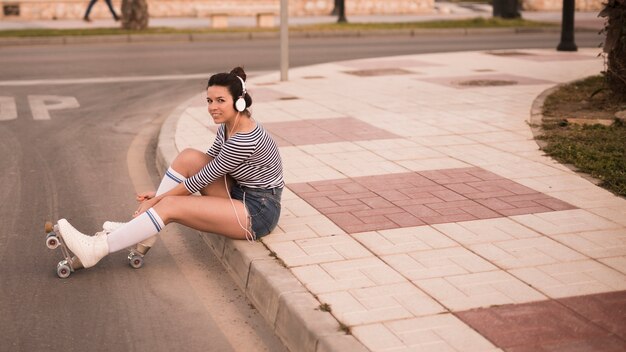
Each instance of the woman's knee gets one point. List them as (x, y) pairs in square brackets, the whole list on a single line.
[(189, 161), (166, 208)]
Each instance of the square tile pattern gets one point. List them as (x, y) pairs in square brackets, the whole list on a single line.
[(373, 203), (442, 332), (320, 131), (584, 323)]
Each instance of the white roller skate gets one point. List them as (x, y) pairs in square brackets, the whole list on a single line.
[(88, 249)]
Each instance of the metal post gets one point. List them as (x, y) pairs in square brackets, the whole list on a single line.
[(567, 27), (284, 40)]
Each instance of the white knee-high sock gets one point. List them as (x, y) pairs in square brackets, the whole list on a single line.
[(170, 180), (138, 229)]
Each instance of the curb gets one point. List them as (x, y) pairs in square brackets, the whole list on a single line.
[(536, 121), (204, 37), (290, 309)]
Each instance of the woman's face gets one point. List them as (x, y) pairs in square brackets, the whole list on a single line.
[(220, 104)]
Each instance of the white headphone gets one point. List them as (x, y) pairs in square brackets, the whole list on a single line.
[(240, 104)]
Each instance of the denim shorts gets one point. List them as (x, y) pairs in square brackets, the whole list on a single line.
[(263, 207)]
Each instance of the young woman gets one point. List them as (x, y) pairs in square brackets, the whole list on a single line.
[(240, 180)]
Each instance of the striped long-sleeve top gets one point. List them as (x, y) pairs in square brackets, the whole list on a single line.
[(251, 158)]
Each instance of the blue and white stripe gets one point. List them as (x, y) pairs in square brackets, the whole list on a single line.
[(251, 158), (156, 219), (171, 175)]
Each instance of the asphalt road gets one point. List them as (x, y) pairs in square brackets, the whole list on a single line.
[(68, 117)]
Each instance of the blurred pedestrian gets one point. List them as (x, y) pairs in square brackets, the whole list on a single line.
[(93, 2)]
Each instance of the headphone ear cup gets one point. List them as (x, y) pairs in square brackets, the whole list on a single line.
[(240, 104)]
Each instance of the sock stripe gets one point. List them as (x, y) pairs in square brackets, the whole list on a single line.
[(171, 175), (154, 220)]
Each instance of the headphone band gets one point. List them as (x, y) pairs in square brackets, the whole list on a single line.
[(243, 85)]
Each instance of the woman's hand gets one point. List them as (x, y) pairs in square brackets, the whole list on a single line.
[(141, 197), (145, 205)]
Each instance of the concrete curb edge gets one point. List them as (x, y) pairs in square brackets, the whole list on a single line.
[(290, 309), (201, 37)]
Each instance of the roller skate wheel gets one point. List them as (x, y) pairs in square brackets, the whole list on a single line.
[(63, 271), (135, 261), (52, 242), (48, 226)]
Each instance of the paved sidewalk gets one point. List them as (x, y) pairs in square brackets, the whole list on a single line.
[(420, 212)]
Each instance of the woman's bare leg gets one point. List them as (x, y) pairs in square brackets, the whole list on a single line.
[(190, 161), (217, 215)]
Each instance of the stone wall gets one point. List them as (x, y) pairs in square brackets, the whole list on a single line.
[(557, 5), (74, 9), (361, 7)]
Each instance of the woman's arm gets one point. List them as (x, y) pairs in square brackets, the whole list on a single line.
[(179, 190)]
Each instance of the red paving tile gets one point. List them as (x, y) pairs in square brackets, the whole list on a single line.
[(427, 197), (321, 131), (607, 310), (585, 323)]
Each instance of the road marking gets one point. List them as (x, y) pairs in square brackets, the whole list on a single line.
[(8, 109), (40, 105), (38, 82)]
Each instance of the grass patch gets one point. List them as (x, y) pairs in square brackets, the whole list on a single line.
[(468, 23), (595, 149)]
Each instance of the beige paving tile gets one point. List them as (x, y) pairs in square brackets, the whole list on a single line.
[(331, 148), (495, 137), (404, 240), (399, 149), (477, 154), (526, 252), (360, 163), (378, 338), (347, 274), (380, 303), (617, 263), (615, 213), (566, 221), (301, 167), (597, 200), (528, 145), (521, 170), (554, 183), (437, 263), (443, 140), (485, 231), (442, 332), (270, 113), (479, 290), (416, 129), (318, 250), (596, 244), (306, 109), (433, 164), (572, 279)]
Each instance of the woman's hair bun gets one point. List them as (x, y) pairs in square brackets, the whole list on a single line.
[(238, 71)]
